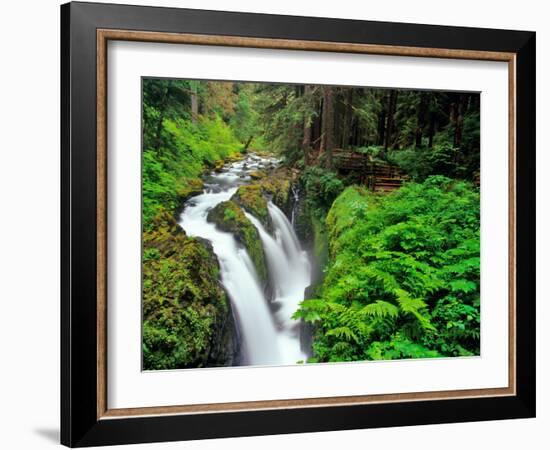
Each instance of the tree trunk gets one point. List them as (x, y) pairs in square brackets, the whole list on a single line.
[(392, 104), (348, 116), (355, 130), (418, 137), (316, 129), (161, 107), (159, 132), (459, 121), (306, 140), (327, 141), (248, 143), (381, 127), (431, 130), (194, 106), (421, 119)]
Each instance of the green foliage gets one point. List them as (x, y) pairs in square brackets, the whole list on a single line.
[(374, 151), (322, 187), (245, 121), (171, 174), (177, 146), (420, 163), (443, 157), (282, 110), (399, 348), (163, 99), (401, 272), (403, 275)]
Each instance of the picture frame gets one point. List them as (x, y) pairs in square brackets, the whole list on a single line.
[(86, 418)]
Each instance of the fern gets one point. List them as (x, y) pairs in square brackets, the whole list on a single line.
[(381, 309), (403, 275), (343, 332)]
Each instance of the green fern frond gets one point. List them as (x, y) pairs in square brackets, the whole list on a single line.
[(408, 304), (341, 347), (336, 307), (344, 333), (412, 306), (381, 309)]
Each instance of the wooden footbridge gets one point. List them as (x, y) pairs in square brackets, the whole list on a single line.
[(378, 176)]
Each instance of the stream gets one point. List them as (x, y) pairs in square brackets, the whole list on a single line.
[(268, 334)]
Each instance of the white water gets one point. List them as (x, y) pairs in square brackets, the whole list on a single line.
[(266, 339), (288, 265)]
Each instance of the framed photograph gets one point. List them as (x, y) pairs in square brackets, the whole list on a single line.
[(277, 224)]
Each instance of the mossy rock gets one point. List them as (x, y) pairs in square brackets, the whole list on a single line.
[(219, 165), (252, 200), (229, 217), (235, 156), (257, 174), (191, 187), (187, 317), (278, 187)]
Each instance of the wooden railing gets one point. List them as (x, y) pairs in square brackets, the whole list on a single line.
[(376, 175)]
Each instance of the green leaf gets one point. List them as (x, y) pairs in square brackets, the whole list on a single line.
[(462, 285), (381, 309)]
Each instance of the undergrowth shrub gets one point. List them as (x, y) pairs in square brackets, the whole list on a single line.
[(403, 274)]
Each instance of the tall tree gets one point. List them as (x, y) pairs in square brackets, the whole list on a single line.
[(162, 99), (308, 105), (193, 92), (220, 98), (421, 119), (392, 104), (459, 121), (381, 127), (348, 117), (431, 129), (327, 140)]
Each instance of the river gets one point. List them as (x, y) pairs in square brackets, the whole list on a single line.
[(268, 334)]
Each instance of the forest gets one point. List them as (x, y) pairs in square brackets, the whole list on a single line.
[(299, 224)]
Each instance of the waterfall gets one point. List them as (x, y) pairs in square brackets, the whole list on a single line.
[(296, 198), (267, 339), (288, 265), (238, 277)]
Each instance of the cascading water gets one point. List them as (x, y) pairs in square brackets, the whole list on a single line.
[(288, 265), (267, 339), (296, 197)]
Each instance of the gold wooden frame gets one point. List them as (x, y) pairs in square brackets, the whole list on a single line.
[(103, 36)]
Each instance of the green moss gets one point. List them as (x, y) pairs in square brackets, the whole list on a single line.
[(278, 186), (229, 217), (190, 188), (257, 174), (251, 198), (218, 165), (320, 241), (346, 209), (187, 320)]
